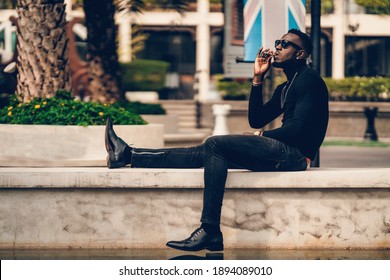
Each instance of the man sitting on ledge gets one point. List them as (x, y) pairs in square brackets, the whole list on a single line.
[(303, 101)]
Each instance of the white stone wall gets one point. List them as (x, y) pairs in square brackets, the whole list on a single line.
[(56, 145), (138, 208)]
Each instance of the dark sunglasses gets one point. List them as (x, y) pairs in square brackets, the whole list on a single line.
[(285, 44)]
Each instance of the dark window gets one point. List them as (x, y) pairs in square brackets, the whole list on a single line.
[(237, 23), (367, 56), (216, 55), (174, 46)]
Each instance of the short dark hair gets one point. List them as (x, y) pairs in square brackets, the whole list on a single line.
[(306, 41)]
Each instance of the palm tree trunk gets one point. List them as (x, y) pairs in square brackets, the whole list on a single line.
[(102, 57), (42, 47)]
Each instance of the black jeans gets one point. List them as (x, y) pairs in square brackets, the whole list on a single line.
[(217, 155)]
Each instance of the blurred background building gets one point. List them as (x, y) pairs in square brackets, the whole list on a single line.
[(355, 40)]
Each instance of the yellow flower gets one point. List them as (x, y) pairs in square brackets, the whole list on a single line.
[(62, 104), (44, 102), (10, 113), (37, 106), (101, 114), (105, 104), (10, 108)]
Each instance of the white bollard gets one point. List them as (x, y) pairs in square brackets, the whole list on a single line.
[(220, 112)]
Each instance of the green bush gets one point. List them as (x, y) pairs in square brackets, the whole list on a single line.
[(233, 90), (142, 108), (359, 89), (354, 88), (375, 6), (347, 89), (64, 110), (144, 75)]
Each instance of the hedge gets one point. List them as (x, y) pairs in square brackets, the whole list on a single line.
[(359, 89), (144, 75), (141, 108), (347, 89)]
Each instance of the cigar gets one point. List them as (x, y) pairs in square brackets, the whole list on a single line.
[(266, 54)]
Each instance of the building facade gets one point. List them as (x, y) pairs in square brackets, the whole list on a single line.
[(353, 42)]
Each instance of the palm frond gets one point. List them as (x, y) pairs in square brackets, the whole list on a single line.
[(136, 6), (179, 5), (7, 4), (139, 5)]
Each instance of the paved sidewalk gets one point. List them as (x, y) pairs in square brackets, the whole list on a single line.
[(345, 156)]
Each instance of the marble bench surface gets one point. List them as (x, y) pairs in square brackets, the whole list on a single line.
[(144, 208), (101, 177)]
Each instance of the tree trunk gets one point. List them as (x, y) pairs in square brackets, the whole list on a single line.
[(102, 57), (42, 47), (78, 68)]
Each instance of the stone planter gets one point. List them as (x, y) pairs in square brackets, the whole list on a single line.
[(142, 96), (169, 121), (51, 145), (346, 119)]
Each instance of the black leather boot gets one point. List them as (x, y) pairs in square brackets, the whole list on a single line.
[(115, 147), (199, 240)]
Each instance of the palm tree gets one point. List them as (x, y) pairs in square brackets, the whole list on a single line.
[(105, 79), (42, 48), (102, 57), (43, 66)]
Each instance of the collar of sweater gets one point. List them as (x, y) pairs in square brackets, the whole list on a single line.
[(296, 67)]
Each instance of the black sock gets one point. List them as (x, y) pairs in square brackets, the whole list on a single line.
[(127, 154), (210, 228)]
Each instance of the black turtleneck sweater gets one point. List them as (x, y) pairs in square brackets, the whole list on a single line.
[(305, 111)]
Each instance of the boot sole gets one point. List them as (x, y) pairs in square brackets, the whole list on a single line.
[(212, 248), (113, 164), (215, 248), (106, 138)]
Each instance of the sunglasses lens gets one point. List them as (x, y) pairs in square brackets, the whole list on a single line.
[(283, 43)]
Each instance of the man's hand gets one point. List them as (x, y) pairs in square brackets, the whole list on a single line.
[(262, 64)]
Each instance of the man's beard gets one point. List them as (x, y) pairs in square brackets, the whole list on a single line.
[(283, 64), (277, 64)]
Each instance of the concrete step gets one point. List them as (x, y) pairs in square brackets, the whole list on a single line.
[(185, 110)]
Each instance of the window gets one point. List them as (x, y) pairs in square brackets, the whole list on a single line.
[(237, 35), (367, 56)]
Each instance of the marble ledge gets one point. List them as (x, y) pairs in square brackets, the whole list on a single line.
[(128, 178)]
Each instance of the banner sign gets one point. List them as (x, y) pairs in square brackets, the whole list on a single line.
[(268, 20)]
